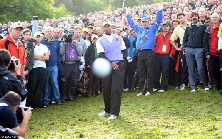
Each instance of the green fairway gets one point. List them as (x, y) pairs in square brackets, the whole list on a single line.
[(172, 114)]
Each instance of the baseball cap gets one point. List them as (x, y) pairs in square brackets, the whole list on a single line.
[(85, 30), (37, 34), (16, 25), (90, 27), (94, 36), (167, 23), (106, 23), (145, 19)]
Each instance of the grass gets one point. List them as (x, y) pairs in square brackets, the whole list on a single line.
[(172, 114)]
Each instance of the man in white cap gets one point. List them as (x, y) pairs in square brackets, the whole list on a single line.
[(14, 45), (38, 74), (111, 46)]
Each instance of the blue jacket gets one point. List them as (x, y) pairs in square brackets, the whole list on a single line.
[(132, 47), (54, 57), (146, 36), (193, 37)]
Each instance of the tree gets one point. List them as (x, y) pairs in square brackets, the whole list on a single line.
[(20, 10)]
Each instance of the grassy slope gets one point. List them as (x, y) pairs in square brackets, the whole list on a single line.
[(173, 114)]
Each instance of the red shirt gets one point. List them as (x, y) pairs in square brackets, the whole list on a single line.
[(162, 43), (18, 53), (214, 40)]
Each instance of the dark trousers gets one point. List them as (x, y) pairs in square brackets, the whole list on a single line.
[(215, 71), (182, 74), (146, 69), (72, 73), (172, 80), (37, 81), (112, 90), (130, 71), (94, 82), (162, 63)]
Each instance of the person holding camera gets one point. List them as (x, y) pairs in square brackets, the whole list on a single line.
[(9, 104), (70, 53), (15, 46), (8, 81)]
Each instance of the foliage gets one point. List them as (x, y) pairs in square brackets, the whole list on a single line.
[(172, 114), (20, 10), (61, 11)]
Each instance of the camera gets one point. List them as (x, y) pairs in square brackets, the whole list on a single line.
[(12, 66), (19, 115)]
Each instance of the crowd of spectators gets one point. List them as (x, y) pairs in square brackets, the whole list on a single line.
[(178, 44)]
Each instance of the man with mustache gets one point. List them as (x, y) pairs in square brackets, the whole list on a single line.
[(193, 44)]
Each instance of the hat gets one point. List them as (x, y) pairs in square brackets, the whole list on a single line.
[(85, 30), (71, 34), (167, 23), (37, 34), (90, 27), (107, 22), (94, 36), (145, 19), (16, 25)]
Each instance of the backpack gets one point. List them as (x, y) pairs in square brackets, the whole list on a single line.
[(70, 52)]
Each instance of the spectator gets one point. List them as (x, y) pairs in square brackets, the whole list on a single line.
[(131, 64), (9, 103), (8, 81), (52, 67), (90, 57), (83, 84), (56, 33), (145, 46), (80, 41), (70, 54), (162, 58), (211, 50), (15, 46), (202, 13), (38, 75), (193, 44), (177, 42), (28, 44)]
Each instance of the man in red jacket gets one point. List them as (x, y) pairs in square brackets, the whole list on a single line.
[(211, 50), (162, 58)]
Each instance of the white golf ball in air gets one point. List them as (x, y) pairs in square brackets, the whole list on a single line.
[(101, 67)]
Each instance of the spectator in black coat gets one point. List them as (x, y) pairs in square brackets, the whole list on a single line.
[(90, 56), (9, 82)]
